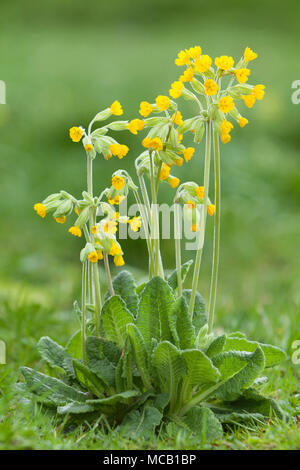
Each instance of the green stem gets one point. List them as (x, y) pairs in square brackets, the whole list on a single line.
[(216, 246), (203, 219), (177, 235), (108, 275), (91, 287), (83, 307), (146, 229), (154, 216)]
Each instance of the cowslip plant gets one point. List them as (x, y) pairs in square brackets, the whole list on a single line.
[(148, 353)]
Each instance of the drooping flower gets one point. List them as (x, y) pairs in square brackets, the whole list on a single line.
[(155, 143), (162, 102), (211, 87), (226, 104), (99, 254), (226, 127), (118, 182), (136, 125), (249, 100), (110, 227), (118, 260), (116, 108), (211, 209), (225, 138), (200, 192), (93, 257), (60, 220), (195, 228), (173, 181), (145, 108), (94, 229), (187, 76), (115, 249), (164, 172), (242, 75), (76, 133), (135, 223), (243, 121), (195, 52), (188, 153), (177, 118), (40, 209), (76, 231), (119, 150), (88, 147), (176, 89), (224, 62), (183, 58), (259, 91), (203, 64), (249, 54)]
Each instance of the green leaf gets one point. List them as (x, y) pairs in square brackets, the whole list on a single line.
[(55, 355), (181, 325), (217, 346), (124, 286), (139, 353), (75, 408), (50, 390), (239, 370), (203, 422), (170, 366), (200, 369), (115, 404), (88, 379), (115, 318), (140, 424), (172, 278), (154, 311), (253, 402), (123, 375), (74, 346), (102, 358), (273, 354), (199, 316)]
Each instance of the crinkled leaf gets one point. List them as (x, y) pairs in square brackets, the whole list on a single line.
[(74, 345), (88, 379), (273, 354), (102, 358), (123, 375), (50, 390), (216, 346), (203, 422), (172, 278), (200, 369), (142, 423), (253, 402), (124, 286), (115, 318), (199, 317), (139, 353), (55, 355), (154, 310), (181, 325), (170, 366)]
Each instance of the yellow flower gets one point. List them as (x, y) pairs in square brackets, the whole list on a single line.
[(225, 138), (183, 58), (188, 153), (115, 249), (173, 181), (195, 52), (76, 133), (116, 200), (76, 210), (243, 121), (190, 205), (211, 88), (75, 231), (162, 102), (200, 192), (226, 127), (119, 150), (176, 89), (179, 161), (211, 209), (88, 147), (164, 172), (259, 91), (155, 143), (187, 76), (135, 223), (60, 220), (224, 62), (195, 228), (177, 118), (94, 229), (249, 100), (40, 209), (116, 108), (180, 137), (93, 257), (110, 227), (226, 104), (145, 108), (119, 261), (99, 254), (118, 182), (249, 54), (203, 64), (242, 75), (136, 125)]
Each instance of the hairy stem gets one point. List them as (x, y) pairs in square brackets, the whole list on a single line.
[(216, 245), (203, 219), (146, 229), (108, 275), (178, 246), (83, 309), (154, 217)]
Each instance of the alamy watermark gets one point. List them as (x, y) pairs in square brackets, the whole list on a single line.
[(296, 94), (2, 92)]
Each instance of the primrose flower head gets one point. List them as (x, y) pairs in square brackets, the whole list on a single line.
[(155, 143), (173, 181), (188, 153), (110, 227), (211, 87), (242, 75), (76, 231), (224, 62), (203, 64), (176, 89), (183, 58), (225, 138), (249, 100), (145, 108), (195, 52), (177, 118), (60, 220), (118, 260), (40, 209), (200, 192), (135, 223), (243, 121), (88, 147), (249, 54), (94, 229), (116, 108), (187, 76), (76, 133), (211, 209), (115, 249), (93, 257), (164, 172), (226, 104), (259, 91), (136, 125), (118, 182), (162, 102), (226, 127), (119, 150)]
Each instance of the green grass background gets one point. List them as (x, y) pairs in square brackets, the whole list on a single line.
[(62, 62)]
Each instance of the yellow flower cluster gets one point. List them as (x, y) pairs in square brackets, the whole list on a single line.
[(119, 150), (116, 108), (136, 125), (154, 144)]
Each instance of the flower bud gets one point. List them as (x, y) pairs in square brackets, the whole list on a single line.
[(155, 121), (198, 87), (105, 114), (199, 131), (83, 217), (64, 208), (118, 125)]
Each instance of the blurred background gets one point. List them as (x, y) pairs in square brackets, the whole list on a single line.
[(62, 62)]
